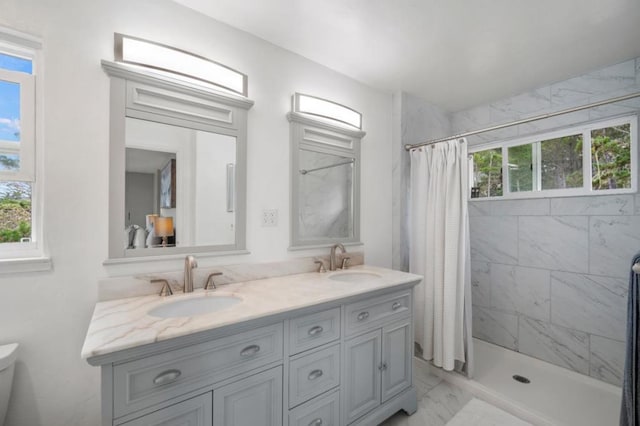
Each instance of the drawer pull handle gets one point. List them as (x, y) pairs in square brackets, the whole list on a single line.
[(250, 350), (167, 377), (363, 316), (396, 306), (315, 330), (316, 422), (315, 374)]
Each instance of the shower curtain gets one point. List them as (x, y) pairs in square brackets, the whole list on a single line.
[(439, 251)]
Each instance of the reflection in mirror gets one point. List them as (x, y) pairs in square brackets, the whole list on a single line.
[(325, 194), (178, 189), (325, 183)]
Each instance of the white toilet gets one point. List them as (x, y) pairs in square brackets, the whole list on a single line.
[(7, 364)]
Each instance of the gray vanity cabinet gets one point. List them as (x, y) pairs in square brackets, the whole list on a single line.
[(377, 363), (256, 400), (344, 363)]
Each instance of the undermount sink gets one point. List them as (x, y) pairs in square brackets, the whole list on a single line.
[(194, 306), (354, 277)]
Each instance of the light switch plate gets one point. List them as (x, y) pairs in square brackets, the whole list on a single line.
[(269, 217)]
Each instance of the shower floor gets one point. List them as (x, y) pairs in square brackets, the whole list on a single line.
[(555, 396)]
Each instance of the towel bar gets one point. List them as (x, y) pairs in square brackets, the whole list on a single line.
[(636, 268)]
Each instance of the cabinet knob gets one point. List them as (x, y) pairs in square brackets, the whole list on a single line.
[(316, 422), (315, 330), (382, 366), (396, 306), (363, 316), (315, 374), (250, 350), (167, 377)]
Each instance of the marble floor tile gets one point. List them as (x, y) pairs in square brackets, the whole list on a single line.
[(423, 380), (435, 408), (480, 413)]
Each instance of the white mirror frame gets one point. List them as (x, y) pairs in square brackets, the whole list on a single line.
[(322, 136), (147, 95)]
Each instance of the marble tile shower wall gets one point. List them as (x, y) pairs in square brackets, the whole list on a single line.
[(550, 275)]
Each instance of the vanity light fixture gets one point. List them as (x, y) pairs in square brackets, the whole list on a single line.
[(136, 51), (163, 228), (307, 104)]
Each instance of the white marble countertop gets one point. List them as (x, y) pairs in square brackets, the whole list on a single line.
[(123, 324)]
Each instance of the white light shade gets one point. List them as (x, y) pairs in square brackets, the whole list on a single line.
[(324, 108), (153, 55)]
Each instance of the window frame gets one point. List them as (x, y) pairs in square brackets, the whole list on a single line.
[(586, 189), (26, 257)]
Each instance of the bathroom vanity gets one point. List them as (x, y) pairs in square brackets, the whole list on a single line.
[(308, 349)]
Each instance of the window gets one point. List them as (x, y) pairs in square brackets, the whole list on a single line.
[(487, 173), (18, 206), (595, 158)]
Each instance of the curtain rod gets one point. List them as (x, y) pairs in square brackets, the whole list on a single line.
[(409, 147)]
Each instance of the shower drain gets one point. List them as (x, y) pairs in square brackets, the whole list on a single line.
[(521, 379)]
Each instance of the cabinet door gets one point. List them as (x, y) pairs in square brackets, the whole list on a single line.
[(362, 375), (192, 412), (396, 358), (256, 400)]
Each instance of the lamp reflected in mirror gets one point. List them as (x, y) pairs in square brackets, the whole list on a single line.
[(163, 227)]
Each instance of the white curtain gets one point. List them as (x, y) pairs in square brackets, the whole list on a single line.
[(439, 251)]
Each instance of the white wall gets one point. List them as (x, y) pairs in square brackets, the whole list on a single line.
[(213, 224), (48, 313)]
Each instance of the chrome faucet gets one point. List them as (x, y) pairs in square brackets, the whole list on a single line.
[(189, 264), (332, 258)]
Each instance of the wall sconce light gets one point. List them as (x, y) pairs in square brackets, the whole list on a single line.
[(136, 51), (324, 108)]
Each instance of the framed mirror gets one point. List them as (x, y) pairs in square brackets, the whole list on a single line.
[(325, 181), (177, 166)]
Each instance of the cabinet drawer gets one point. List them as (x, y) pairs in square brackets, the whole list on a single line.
[(157, 378), (313, 330), (192, 412), (323, 411), (376, 311), (312, 374)]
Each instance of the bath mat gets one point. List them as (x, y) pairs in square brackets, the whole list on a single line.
[(479, 413)]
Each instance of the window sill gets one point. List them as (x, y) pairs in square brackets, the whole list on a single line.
[(31, 264), (564, 193)]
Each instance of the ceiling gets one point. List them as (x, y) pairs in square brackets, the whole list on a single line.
[(453, 53)]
